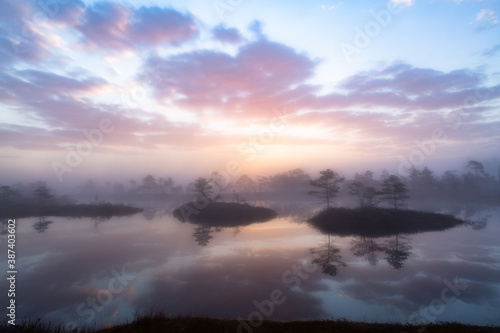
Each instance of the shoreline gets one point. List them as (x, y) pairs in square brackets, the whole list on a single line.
[(162, 323)]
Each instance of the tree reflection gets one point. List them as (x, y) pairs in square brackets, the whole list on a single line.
[(397, 251), (100, 219), (366, 247), (328, 258), (202, 235), (475, 220), (42, 224)]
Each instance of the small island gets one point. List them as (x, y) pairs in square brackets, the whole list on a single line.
[(67, 210), (380, 222), (223, 214)]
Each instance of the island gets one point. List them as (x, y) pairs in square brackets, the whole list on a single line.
[(380, 222), (67, 210), (223, 214)]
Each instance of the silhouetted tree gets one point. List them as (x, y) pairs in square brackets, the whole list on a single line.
[(366, 194), (149, 184), (43, 193), (245, 184), (328, 183), (328, 258), (6, 193), (218, 180), (422, 182), (451, 184), (90, 188), (262, 183), (477, 167), (394, 191), (238, 198), (203, 189), (366, 178)]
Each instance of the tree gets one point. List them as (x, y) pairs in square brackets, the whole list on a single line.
[(328, 183), (219, 183), (262, 183), (43, 193), (365, 194), (451, 183), (328, 257), (245, 184), (203, 189), (218, 180), (6, 193), (394, 191), (149, 184), (477, 167)]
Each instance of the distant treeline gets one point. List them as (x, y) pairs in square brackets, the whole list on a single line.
[(472, 183)]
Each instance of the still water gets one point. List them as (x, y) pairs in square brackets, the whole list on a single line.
[(86, 272)]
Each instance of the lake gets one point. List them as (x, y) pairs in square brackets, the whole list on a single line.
[(86, 272)]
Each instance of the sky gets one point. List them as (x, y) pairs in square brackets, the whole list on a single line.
[(122, 89)]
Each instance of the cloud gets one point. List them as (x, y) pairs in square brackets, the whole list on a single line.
[(115, 27), (261, 75), (227, 35), (20, 38), (403, 2), (487, 19), (492, 51)]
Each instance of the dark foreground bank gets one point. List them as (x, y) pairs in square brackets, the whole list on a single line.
[(68, 210), (206, 325)]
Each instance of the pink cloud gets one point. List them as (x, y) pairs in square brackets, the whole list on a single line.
[(259, 77)]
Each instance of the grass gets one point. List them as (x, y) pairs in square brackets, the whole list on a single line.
[(223, 214), (164, 324), (380, 222), (67, 210)]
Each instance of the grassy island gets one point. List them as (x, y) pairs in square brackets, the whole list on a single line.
[(380, 222), (67, 210), (223, 214)]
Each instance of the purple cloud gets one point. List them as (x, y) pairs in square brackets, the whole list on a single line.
[(227, 35), (116, 27)]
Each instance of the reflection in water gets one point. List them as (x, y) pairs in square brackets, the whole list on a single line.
[(3, 228), (176, 275), (100, 219), (475, 220), (366, 247), (328, 258), (397, 251), (202, 235), (42, 224)]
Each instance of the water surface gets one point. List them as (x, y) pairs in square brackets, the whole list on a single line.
[(95, 272)]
